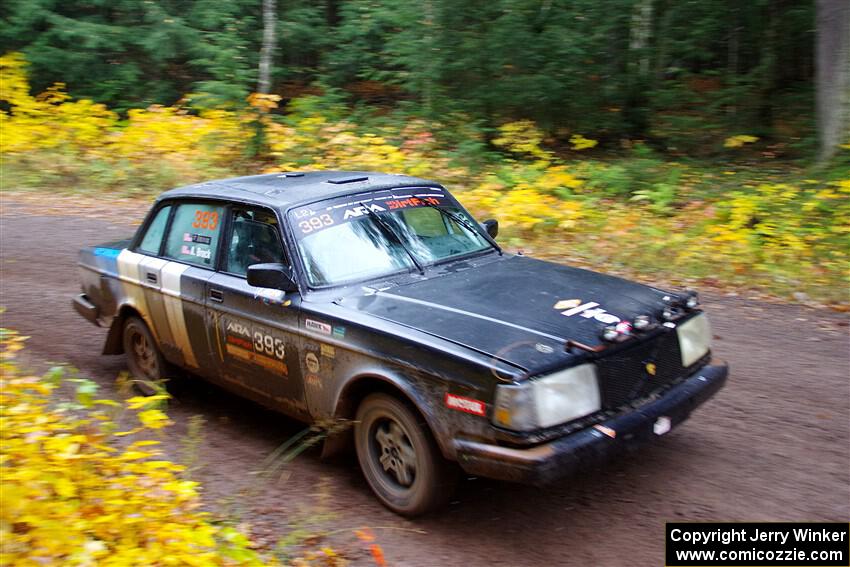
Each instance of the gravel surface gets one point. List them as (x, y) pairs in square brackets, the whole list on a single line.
[(773, 445)]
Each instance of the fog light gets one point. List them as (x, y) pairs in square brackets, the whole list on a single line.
[(641, 323), (610, 333), (669, 313), (692, 301), (623, 328)]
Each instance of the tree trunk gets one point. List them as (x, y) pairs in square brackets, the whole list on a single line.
[(662, 41), (733, 55), (264, 82), (635, 107), (832, 75), (641, 28), (768, 64), (430, 45)]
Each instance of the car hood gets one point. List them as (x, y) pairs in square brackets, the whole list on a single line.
[(516, 309)]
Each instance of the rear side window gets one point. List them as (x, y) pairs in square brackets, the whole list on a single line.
[(194, 234), (156, 229)]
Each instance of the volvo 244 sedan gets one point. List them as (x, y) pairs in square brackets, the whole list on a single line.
[(378, 299)]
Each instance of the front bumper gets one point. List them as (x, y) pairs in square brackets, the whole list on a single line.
[(563, 456), (84, 306)]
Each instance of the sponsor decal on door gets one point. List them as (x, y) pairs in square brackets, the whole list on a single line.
[(255, 344)]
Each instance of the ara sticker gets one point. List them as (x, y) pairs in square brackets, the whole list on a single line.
[(312, 362), (605, 431), (468, 405), (318, 327), (361, 210), (328, 351), (339, 332)]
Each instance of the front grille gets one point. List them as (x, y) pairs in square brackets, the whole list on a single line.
[(623, 376)]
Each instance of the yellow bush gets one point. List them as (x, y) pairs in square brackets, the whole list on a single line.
[(579, 142), (738, 141), (313, 142), (524, 207), (76, 490), (152, 137), (48, 120), (524, 138), (794, 233), (171, 133)]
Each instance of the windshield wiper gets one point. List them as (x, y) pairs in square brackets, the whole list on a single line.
[(389, 231), (465, 224)]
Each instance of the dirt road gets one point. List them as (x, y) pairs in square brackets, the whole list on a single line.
[(773, 445)]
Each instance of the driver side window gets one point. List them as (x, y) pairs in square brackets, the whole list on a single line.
[(254, 239)]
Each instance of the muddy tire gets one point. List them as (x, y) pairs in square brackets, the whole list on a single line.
[(399, 457), (147, 366)]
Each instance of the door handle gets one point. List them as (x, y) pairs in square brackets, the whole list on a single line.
[(151, 277), (217, 295)]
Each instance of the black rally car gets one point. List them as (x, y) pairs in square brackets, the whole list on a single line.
[(377, 298)]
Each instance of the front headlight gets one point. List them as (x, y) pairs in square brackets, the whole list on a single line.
[(547, 401), (694, 338)]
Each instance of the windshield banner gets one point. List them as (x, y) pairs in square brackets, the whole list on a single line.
[(325, 214)]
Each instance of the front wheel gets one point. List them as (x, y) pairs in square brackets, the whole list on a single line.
[(144, 360), (399, 457)]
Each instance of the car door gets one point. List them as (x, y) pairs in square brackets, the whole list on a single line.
[(255, 330), (172, 262)]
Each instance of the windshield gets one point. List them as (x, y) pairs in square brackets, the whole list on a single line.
[(340, 240)]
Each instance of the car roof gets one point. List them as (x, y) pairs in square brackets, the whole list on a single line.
[(282, 190)]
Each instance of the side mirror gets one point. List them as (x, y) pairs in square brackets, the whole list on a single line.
[(491, 226), (274, 276)]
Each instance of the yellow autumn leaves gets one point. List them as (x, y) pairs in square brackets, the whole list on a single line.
[(76, 492), (738, 141), (157, 137), (759, 228)]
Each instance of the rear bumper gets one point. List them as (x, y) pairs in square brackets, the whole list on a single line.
[(563, 456), (86, 308)]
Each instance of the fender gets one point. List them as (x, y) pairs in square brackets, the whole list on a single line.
[(114, 343), (411, 388)]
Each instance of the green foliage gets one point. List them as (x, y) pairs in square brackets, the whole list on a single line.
[(684, 75), (660, 197), (743, 218)]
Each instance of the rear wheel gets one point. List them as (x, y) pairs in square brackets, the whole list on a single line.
[(399, 457), (144, 360)]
